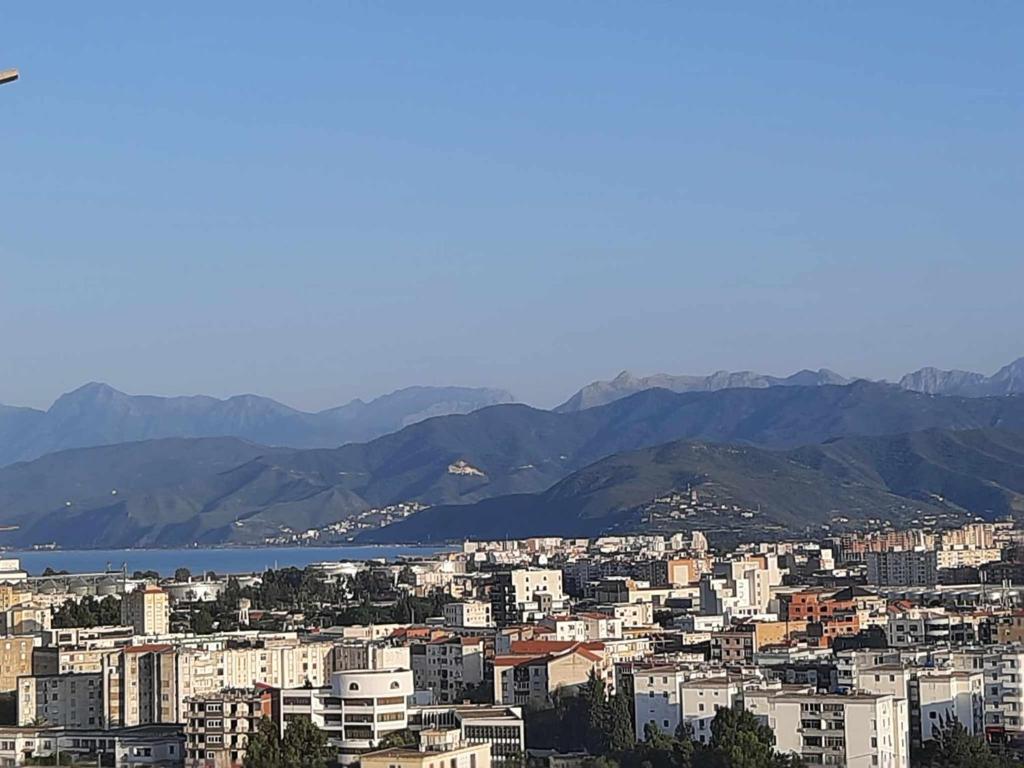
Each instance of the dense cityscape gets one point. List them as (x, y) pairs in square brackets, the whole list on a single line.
[(891, 648), (511, 385)]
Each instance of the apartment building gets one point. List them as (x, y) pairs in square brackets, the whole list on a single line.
[(15, 660), (526, 594), (357, 709), (499, 727), (355, 654), (147, 610), (144, 747), (64, 701), (739, 588), (908, 629), (12, 595), (739, 643), (468, 613), (903, 568), (1002, 667), (447, 667), (218, 727), (856, 730)]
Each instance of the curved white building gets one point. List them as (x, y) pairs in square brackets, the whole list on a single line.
[(357, 710)]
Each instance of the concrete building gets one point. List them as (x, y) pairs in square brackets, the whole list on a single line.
[(447, 667), (218, 727), (357, 709), (147, 611), (903, 568), (739, 643), (909, 629), (64, 701), (534, 671), (459, 756), (468, 613), (144, 747), (739, 588), (499, 727), (856, 730), (355, 654), (15, 660), (526, 594)]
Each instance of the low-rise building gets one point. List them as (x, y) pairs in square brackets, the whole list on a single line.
[(460, 756)]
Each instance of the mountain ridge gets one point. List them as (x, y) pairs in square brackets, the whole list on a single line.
[(1008, 380), (98, 414), (898, 477), (499, 450)]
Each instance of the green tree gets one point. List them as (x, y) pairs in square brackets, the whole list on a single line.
[(954, 747), (620, 723), (264, 748), (203, 620), (402, 738), (182, 574), (303, 745), (739, 740), (594, 701)]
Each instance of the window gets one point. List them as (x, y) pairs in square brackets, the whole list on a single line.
[(353, 686)]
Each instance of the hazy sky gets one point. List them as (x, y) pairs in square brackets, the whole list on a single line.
[(317, 201)]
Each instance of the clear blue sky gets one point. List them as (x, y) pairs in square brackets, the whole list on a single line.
[(316, 201)]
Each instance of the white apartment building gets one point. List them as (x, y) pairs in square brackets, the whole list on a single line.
[(903, 568), (1002, 668), (357, 709), (632, 615), (915, 627), (739, 588), (855, 730), (468, 613), (447, 667), (526, 594), (664, 697)]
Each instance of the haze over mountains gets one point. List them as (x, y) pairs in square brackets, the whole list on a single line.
[(174, 492), (98, 414)]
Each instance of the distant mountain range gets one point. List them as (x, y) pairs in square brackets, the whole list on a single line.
[(625, 384), (173, 492), (894, 477), (1007, 381), (97, 414)]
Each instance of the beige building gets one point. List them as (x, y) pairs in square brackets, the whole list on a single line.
[(66, 701), (218, 727), (12, 595), (447, 667), (534, 671), (464, 756), (15, 660), (856, 730), (147, 611), (469, 613), (25, 619)]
